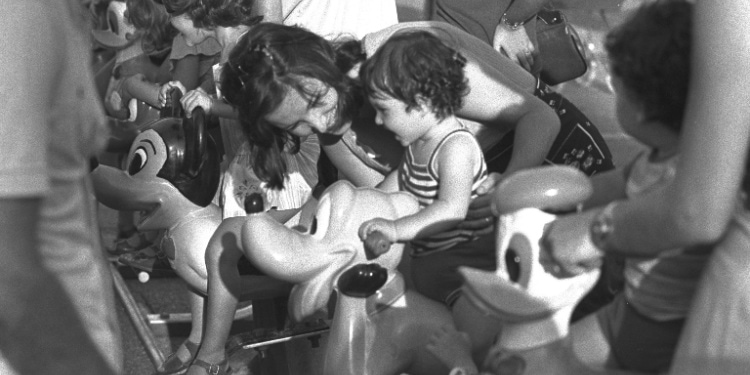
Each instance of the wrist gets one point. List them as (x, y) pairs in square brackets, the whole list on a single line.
[(602, 229)]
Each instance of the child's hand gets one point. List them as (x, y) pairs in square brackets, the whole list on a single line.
[(453, 349), (196, 98), (386, 227), (566, 248), (166, 88)]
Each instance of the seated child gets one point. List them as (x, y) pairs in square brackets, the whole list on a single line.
[(415, 82), (191, 65), (649, 58)]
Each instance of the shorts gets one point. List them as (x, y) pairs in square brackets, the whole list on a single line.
[(579, 143), (638, 343), (436, 275)]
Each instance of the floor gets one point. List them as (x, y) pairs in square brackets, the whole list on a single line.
[(166, 294)]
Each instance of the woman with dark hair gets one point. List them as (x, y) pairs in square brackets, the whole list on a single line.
[(225, 21)]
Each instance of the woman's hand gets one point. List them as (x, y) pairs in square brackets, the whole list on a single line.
[(197, 98), (516, 44), (566, 247), (480, 218), (166, 88)]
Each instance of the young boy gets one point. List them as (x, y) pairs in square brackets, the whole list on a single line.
[(649, 59)]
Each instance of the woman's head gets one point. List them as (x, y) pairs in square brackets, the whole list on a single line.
[(417, 67), (649, 55), (152, 20), (190, 16), (285, 83)]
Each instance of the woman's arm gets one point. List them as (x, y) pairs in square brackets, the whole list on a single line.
[(697, 206), (517, 41), (270, 10), (353, 169), (139, 88), (699, 203), (501, 97)]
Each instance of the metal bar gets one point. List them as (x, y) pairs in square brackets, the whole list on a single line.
[(167, 318), (284, 339), (139, 322)]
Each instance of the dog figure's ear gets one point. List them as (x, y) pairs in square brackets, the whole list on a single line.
[(195, 142)]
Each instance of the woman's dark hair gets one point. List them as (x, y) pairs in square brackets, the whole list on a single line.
[(417, 64), (650, 53), (208, 14), (152, 21), (267, 62)]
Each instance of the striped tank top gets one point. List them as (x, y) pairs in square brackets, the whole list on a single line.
[(422, 181)]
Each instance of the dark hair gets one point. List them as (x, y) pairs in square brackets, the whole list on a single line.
[(650, 53), (152, 21), (415, 64), (268, 61), (208, 14)]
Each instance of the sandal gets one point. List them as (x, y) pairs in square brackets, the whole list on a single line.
[(173, 365), (212, 369)]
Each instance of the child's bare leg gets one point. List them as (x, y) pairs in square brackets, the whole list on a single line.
[(453, 349), (222, 255), (197, 309), (481, 328)]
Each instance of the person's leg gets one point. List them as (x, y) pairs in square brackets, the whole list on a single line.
[(189, 348), (436, 276), (222, 255), (482, 328), (579, 142)]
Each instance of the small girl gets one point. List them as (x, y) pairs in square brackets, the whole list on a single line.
[(415, 82)]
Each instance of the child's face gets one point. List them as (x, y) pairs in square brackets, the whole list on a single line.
[(193, 36), (296, 116), (629, 111), (392, 113)]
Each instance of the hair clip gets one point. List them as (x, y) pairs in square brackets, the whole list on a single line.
[(262, 48), (240, 72)]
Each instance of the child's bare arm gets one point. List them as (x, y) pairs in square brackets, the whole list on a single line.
[(390, 183), (456, 166)]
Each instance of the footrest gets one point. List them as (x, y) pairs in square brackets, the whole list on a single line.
[(261, 337)]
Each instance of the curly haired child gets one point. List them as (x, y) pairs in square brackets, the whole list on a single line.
[(415, 82)]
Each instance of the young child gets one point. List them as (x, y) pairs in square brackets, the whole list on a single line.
[(649, 59), (415, 83)]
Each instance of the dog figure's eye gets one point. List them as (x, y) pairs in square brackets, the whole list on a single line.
[(140, 157), (513, 265), (314, 225)]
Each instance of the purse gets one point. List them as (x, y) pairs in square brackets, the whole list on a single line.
[(561, 51)]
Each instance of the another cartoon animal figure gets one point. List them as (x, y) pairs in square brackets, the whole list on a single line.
[(171, 177), (131, 61), (535, 306), (378, 326)]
